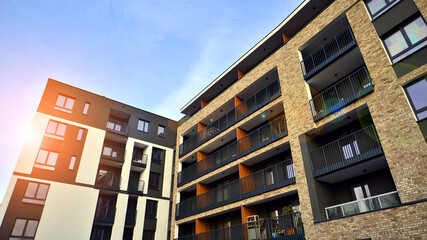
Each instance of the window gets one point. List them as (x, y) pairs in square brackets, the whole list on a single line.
[(348, 150), (55, 130), (151, 210), (86, 108), (114, 126), (418, 98), (64, 103), (161, 131), (143, 125), (46, 159), (108, 151), (377, 7), (148, 235), (35, 193), (72, 162), (290, 170), (158, 155), (24, 229), (80, 134), (406, 40), (154, 181)]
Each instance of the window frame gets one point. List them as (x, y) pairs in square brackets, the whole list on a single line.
[(389, 5), (35, 199), (22, 236), (86, 108), (412, 48), (162, 156), (423, 109), (45, 165), (164, 130), (55, 135), (64, 108), (152, 211), (145, 125), (154, 186)]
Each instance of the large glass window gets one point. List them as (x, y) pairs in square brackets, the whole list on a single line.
[(158, 155), (64, 103), (417, 94), (55, 130), (36, 193), (154, 181), (407, 39), (143, 125), (376, 7), (24, 229), (151, 210), (46, 159)]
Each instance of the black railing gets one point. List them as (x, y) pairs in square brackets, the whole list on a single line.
[(260, 137), (329, 51), (270, 178), (136, 187), (283, 227), (353, 148), (105, 214), (251, 104), (342, 93)]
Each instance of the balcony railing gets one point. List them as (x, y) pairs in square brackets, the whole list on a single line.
[(141, 162), (250, 105), (329, 51), (260, 137), (356, 147), (108, 181), (345, 91), (105, 214), (283, 227), (276, 176), (136, 187), (377, 202)]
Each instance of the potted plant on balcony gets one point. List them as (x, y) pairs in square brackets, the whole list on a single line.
[(290, 229)]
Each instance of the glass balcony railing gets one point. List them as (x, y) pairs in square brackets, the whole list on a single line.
[(105, 214), (141, 162), (260, 137), (283, 227), (345, 91), (329, 51), (117, 126), (353, 148), (114, 152), (377, 202), (251, 104), (276, 176), (136, 187), (108, 180)]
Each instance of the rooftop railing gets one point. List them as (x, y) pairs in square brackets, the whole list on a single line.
[(329, 51), (258, 138), (251, 104), (353, 148), (369, 204), (283, 227), (345, 91), (276, 176)]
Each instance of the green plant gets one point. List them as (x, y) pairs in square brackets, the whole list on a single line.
[(287, 209)]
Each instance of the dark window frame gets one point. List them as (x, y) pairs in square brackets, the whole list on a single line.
[(145, 122), (400, 28), (410, 98), (162, 156), (148, 234), (35, 200), (151, 209), (152, 185), (389, 5), (25, 228), (164, 130)]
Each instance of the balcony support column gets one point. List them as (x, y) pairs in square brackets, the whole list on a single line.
[(203, 103), (247, 184), (202, 226), (246, 212), (240, 73)]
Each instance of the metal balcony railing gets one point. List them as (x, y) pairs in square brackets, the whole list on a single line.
[(283, 227), (141, 162), (260, 137), (377, 202), (251, 104), (353, 148), (276, 176), (105, 214), (329, 51), (345, 91), (136, 187)]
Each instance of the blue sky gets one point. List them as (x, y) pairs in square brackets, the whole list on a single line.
[(154, 55)]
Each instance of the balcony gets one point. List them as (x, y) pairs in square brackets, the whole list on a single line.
[(276, 176), (108, 179), (117, 125), (261, 137), (342, 93), (136, 187), (353, 148), (287, 226), (339, 44), (369, 204), (250, 105), (105, 215), (113, 151), (140, 162)]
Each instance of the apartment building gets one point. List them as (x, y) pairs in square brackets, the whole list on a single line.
[(95, 169), (318, 132)]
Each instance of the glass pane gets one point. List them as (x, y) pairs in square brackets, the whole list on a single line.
[(52, 158), (146, 127), (160, 130), (418, 94), (18, 229), (416, 30), (42, 192), (69, 103), (30, 231), (107, 151), (61, 129), (86, 109), (51, 127), (60, 101), (80, 134), (41, 158), (31, 190), (422, 115), (358, 192), (395, 43), (375, 5), (110, 125)]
